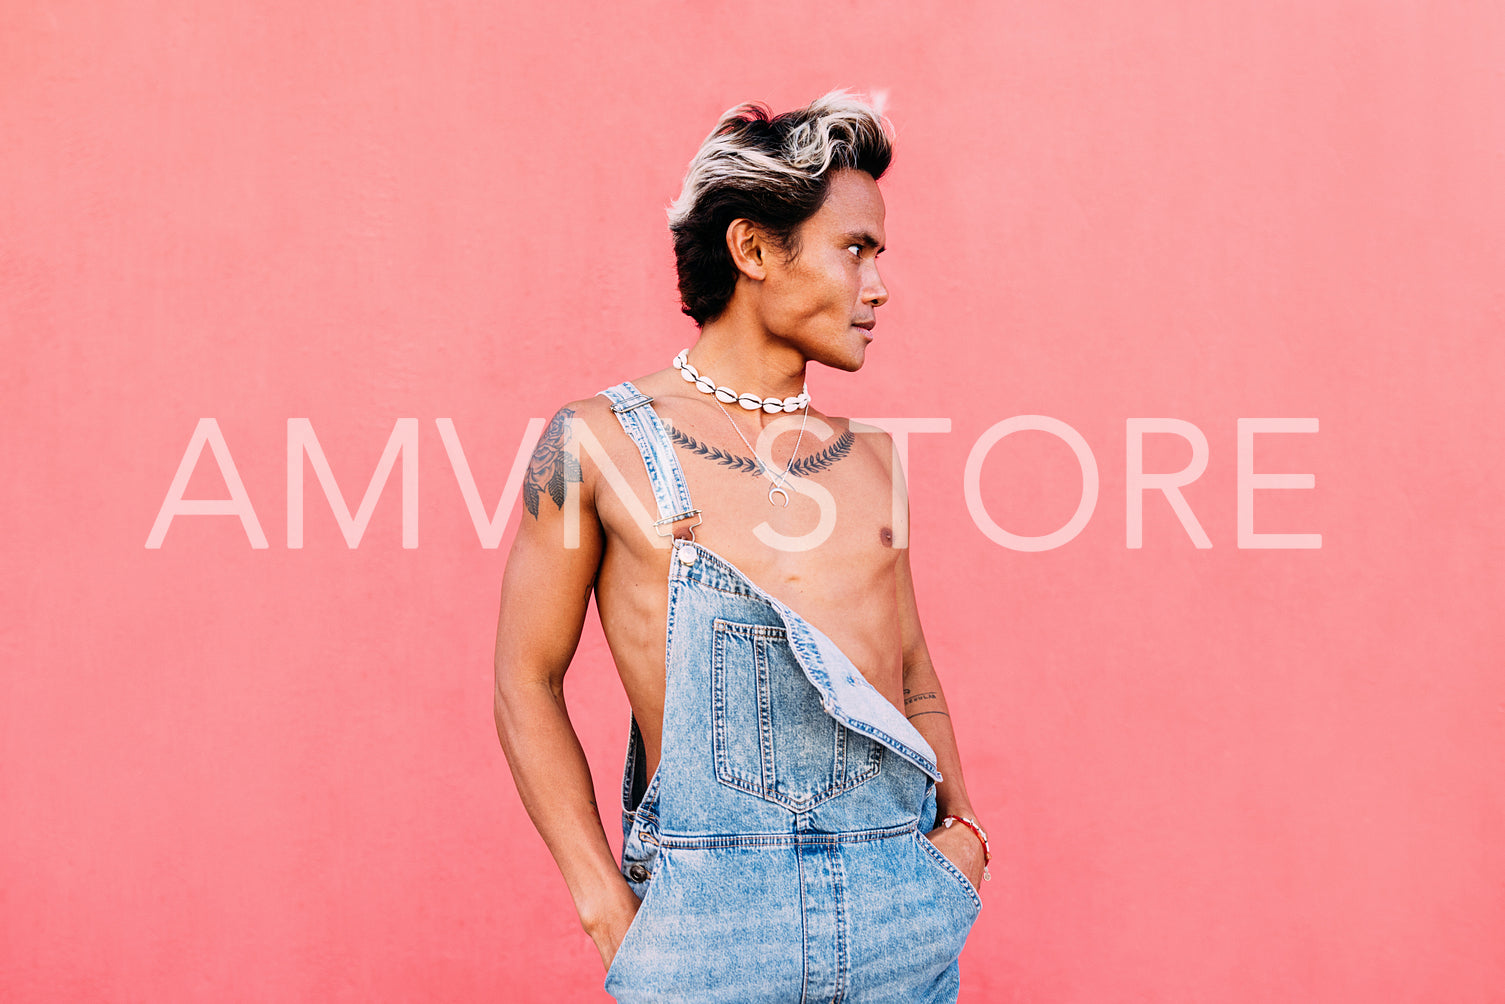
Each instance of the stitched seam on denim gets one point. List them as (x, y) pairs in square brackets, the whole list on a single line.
[(799, 864), (754, 787), (766, 751), (838, 890), (857, 725), (702, 583), (641, 830), (959, 879), (670, 492), (718, 707), (808, 653), (647, 857), (624, 393), (765, 786), (750, 630), (629, 767), (725, 590), (839, 755), (798, 640), (714, 841), (671, 683)]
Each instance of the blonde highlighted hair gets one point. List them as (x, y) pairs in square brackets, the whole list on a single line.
[(774, 171)]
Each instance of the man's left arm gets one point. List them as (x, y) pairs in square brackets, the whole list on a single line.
[(925, 707)]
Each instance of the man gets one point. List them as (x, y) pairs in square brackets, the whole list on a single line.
[(790, 753)]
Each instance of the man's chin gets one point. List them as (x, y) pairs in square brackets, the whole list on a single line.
[(846, 354), (849, 362)]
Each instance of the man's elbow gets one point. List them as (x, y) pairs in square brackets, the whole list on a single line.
[(499, 709), (917, 665), (518, 687), (504, 694)]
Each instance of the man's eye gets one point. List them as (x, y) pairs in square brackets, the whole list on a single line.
[(856, 250)]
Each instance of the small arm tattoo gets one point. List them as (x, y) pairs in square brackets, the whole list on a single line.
[(929, 695)]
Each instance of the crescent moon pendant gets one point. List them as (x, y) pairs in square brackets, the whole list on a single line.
[(776, 490)]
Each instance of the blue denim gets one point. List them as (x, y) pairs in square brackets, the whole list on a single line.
[(779, 848)]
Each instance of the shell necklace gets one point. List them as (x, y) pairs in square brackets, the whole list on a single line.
[(752, 402), (725, 395)]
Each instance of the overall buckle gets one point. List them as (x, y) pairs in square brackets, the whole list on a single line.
[(664, 527)]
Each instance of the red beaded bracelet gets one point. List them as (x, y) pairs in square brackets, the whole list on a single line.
[(971, 824)]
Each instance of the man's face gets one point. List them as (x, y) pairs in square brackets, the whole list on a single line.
[(823, 302)]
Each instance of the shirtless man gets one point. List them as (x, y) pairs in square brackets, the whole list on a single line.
[(791, 753)]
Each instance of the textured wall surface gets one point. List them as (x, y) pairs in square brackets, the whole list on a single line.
[(1230, 774)]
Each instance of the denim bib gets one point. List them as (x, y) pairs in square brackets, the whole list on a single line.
[(779, 847)]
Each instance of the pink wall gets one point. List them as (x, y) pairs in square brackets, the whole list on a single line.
[(1227, 774)]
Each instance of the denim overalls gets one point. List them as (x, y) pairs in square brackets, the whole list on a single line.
[(779, 848)]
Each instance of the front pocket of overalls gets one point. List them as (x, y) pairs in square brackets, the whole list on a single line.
[(950, 875), (771, 735), (631, 939)]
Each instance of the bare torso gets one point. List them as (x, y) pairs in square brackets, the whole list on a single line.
[(846, 586)]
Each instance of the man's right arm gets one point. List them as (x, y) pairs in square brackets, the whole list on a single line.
[(545, 593)]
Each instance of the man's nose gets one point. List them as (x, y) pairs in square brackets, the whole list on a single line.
[(873, 290)]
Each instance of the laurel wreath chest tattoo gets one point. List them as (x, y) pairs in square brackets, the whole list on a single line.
[(802, 467), (552, 468)]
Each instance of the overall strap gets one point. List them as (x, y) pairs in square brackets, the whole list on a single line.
[(641, 422)]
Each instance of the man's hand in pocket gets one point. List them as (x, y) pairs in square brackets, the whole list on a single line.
[(962, 848)]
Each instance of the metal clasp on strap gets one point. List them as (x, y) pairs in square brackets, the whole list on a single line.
[(622, 409), (668, 521)]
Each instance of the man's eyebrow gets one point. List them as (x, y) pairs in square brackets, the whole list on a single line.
[(862, 237)]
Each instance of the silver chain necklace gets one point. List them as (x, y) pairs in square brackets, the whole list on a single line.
[(777, 488), (751, 402)]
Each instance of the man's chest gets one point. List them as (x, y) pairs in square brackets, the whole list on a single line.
[(833, 501)]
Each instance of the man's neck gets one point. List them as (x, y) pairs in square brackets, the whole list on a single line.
[(740, 353)]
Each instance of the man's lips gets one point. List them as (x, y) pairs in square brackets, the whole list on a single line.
[(865, 325)]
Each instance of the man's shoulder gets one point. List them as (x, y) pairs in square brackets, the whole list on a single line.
[(871, 439), (589, 429), (599, 408), (599, 405), (585, 409), (564, 430), (878, 434)]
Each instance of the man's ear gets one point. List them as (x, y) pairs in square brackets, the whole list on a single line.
[(749, 248)]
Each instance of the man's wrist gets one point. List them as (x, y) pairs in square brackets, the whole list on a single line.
[(945, 808), (601, 894), (606, 908), (971, 824)]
